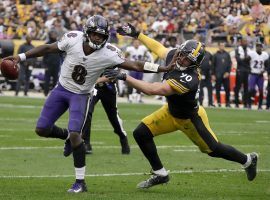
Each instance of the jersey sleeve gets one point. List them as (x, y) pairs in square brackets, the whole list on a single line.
[(68, 40), (117, 56), (63, 43), (183, 83)]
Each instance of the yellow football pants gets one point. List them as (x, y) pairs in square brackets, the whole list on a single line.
[(197, 127)]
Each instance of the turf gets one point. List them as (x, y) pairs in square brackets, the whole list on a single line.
[(33, 168)]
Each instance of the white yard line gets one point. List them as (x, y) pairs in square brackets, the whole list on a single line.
[(263, 122), (135, 173), (176, 147), (231, 132), (3, 105), (185, 150)]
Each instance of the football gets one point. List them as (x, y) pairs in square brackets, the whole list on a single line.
[(9, 69)]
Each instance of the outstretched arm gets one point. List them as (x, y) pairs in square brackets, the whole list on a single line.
[(153, 45), (147, 66), (36, 52), (144, 66), (156, 88)]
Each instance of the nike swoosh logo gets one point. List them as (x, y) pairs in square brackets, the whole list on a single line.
[(78, 190)]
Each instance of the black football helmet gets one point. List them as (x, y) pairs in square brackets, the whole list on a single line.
[(191, 50), (97, 24)]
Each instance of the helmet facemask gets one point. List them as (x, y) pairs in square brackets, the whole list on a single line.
[(184, 61), (188, 56)]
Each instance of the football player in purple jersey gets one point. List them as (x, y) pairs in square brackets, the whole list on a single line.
[(258, 65), (88, 54)]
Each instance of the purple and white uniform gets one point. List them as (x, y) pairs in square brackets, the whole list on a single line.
[(257, 67), (79, 73), (139, 54)]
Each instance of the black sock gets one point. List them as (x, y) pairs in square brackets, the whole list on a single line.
[(229, 153), (79, 156), (57, 132), (144, 139), (79, 180)]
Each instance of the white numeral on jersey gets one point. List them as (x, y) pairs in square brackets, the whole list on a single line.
[(186, 77)]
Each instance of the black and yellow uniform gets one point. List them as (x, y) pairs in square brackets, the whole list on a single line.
[(182, 111)]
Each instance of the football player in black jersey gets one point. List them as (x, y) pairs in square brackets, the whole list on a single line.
[(182, 111), (107, 94)]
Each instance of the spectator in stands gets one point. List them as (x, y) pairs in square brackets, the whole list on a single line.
[(58, 27), (42, 31), (257, 10), (219, 34), (26, 67), (258, 32), (171, 42), (234, 37), (222, 66), (232, 20), (192, 26), (2, 28), (206, 77), (51, 62), (242, 72)]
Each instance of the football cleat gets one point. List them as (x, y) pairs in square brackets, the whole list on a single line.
[(155, 179), (67, 148), (124, 145), (88, 148), (77, 188), (251, 170)]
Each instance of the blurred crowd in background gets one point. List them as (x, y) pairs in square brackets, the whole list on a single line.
[(210, 20), (217, 23)]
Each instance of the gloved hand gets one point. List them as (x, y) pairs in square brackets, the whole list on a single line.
[(128, 30), (113, 74)]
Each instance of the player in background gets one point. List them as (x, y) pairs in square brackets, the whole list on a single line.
[(137, 52), (258, 64), (182, 111), (87, 55), (107, 94)]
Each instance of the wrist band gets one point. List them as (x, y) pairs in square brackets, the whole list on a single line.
[(150, 67), (22, 56)]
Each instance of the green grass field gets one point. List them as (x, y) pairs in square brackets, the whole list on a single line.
[(34, 168)]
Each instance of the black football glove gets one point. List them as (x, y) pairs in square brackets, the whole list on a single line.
[(128, 30), (113, 75)]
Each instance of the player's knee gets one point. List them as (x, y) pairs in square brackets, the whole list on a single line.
[(42, 132), (142, 133), (75, 139)]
